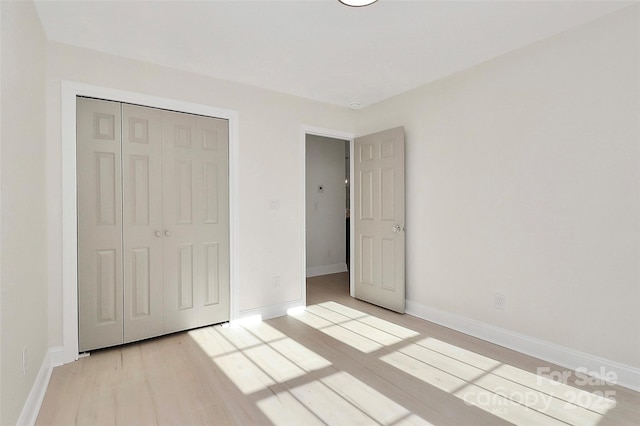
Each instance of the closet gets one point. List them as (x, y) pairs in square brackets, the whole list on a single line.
[(153, 222)]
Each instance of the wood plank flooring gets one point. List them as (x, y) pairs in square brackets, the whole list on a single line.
[(341, 361)]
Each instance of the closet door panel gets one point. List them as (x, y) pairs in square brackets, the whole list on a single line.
[(142, 222), (182, 254), (99, 196), (213, 220), (196, 215)]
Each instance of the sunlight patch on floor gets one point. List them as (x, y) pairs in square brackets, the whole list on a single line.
[(284, 409), (355, 340), (359, 330), (424, 371), (336, 399), (247, 376), (256, 356), (575, 396), (275, 365), (507, 392)]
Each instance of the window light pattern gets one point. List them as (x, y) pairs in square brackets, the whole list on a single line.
[(306, 388)]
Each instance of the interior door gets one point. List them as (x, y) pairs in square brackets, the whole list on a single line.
[(142, 221), (196, 220), (379, 219), (99, 187)]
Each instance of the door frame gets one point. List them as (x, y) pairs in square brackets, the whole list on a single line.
[(333, 134), (69, 91)]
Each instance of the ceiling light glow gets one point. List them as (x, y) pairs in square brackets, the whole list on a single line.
[(357, 3)]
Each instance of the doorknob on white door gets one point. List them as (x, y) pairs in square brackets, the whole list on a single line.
[(167, 233), (158, 234), (398, 228)]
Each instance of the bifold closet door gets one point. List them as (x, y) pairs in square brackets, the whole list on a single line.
[(100, 286), (143, 230), (153, 222), (196, 220)]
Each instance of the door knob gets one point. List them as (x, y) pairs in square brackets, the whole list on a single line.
[(398, 228), (158, 234), (167, 233)]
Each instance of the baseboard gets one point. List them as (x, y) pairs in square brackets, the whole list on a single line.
[(267, 312), (627, 376), (315, 271), (33, 403), (57, 356)]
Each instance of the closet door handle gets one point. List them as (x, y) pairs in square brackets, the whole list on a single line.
[(158, 234), (167, 233)]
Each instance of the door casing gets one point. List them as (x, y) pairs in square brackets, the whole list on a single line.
[(333, 134), (69, 91)]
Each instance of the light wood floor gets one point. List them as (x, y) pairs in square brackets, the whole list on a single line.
[(341, 361)]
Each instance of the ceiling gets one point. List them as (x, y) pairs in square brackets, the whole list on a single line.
[(320, 49)]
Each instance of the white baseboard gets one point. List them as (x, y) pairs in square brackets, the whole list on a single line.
[(267, 312), (33, 403), (57, 356), (627, 376), (314, 271)]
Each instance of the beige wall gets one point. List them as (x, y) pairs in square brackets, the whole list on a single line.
[(270, 166), (522, 179), (23, 246)]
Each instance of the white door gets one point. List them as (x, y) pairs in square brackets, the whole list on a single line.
[(379, 261), (196, 220), (142, 222), (153, 222), (99, 187)]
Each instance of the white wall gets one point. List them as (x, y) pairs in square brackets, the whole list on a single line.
[(23, 244), (522, 179), (325, 211), (270, 166)]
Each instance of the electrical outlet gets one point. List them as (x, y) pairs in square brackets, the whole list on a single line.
[(499, 301), (276, 281), (25, 359)]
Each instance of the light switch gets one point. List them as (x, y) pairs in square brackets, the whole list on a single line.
[(274, 204)]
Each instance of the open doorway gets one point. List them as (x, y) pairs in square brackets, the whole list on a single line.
[(327, 227)]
